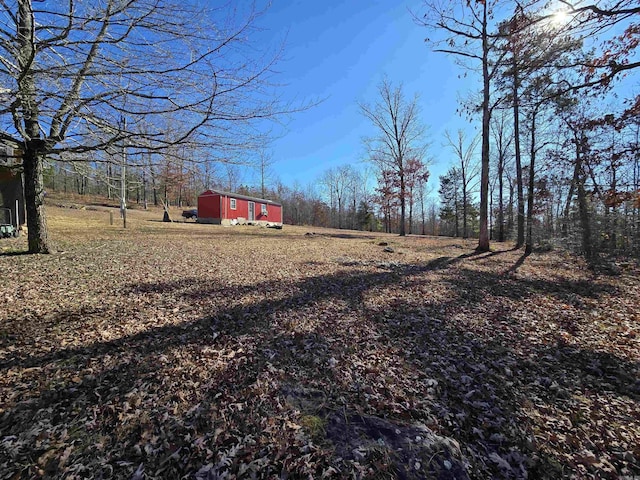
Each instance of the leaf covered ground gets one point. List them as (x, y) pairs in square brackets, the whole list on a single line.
[(197, 351)]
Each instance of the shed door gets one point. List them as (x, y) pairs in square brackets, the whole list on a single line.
[(252, 211)]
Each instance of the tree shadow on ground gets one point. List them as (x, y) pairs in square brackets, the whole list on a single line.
[(514, 268), (14, 253), (258, 355), (489, 387), (350, 236)]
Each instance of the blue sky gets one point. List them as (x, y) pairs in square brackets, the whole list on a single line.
[(340, 50)]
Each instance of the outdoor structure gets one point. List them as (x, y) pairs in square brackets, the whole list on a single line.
[(11, 188), (224, 208)]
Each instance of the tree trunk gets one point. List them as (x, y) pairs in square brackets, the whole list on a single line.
[(500, 199), (424, 231), (354, 220), (154, 186), (144, 189), (583, 208), (635, 220), (567, 208), (530, 200), (34, 198), (483, 240), (510, 209), (403, 205), (465, 233), (387, 218), (491, 226), (109, 174), (585, 222), (516, 139), (34, 146), (613, 241), (410, 216), (456, 215)]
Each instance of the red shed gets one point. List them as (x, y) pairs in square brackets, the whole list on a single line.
[(224, 208)]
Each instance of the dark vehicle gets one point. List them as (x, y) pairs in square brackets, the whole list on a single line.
[(193, 213)]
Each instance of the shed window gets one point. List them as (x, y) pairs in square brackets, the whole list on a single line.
[(264, 209), (233, 203)]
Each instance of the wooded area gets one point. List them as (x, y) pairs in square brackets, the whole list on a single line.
[(547, 90), (558, 162)]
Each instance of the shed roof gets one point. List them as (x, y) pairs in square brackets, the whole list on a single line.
[(242, 197)]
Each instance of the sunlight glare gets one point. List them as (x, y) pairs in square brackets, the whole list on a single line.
[(560, 17)]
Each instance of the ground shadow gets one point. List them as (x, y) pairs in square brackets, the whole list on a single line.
[(350, 236), (277, 365), (514, 268), (15, 254)]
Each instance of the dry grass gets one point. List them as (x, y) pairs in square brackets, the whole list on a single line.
[(196, 350)]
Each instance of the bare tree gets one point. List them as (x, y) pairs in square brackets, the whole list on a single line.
[(400, 136), (465, 28), (516, 42), (338, 183), (328, 182), (502, 138), (263, 165), (233, 177), (417, 175), (76, 69), (468, 169)]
